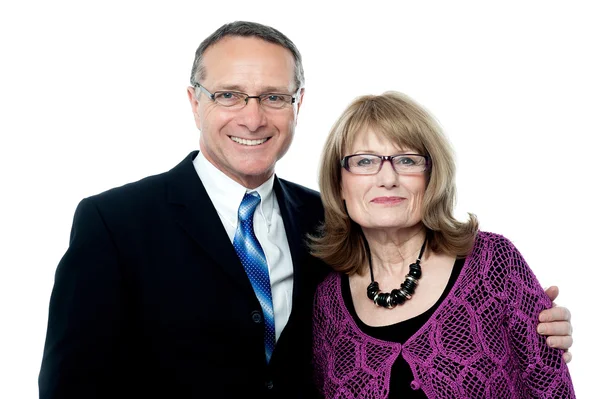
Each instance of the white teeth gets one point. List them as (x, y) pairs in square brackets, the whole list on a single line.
[(247, 142)]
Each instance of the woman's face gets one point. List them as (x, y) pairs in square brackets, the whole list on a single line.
[(386, 200)]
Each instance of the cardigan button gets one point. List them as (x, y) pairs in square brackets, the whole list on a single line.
[(415, 385)]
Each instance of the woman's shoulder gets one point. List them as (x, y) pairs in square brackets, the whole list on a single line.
[(488, 243), (493, 257), (329, 283), (490, 238), (499, 263), (328, 301)]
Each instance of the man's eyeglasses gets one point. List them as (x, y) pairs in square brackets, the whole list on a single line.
[(237, 100), (371, 164)]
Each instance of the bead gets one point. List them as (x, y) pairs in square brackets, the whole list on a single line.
[(390, 302), (406, 294), (382, 299), (372, 290), (411, 278), (375, 298), (398, 298), (415, 271), (409, 286)]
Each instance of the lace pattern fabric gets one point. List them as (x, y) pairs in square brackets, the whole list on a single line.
[(481, 342)]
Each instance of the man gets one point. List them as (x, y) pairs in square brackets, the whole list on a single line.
[(161, 293)]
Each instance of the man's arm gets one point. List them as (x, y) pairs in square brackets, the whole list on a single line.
[(82, 355), (555, 323)]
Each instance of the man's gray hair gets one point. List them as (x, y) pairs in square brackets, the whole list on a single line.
[(247, 29)]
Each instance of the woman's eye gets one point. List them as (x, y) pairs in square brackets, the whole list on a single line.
[(405, 161)]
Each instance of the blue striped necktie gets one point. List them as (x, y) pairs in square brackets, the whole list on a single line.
[(255, 263)]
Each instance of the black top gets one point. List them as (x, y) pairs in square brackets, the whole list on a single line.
[(401, 376)]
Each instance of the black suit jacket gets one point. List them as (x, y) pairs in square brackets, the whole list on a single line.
[(151, 301)]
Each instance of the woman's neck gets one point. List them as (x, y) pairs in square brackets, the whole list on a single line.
[(392, 251)]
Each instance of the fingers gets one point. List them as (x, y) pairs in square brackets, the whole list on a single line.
[(556, 313), (556, 324), (561, 342), (552, 292), (556, 328)]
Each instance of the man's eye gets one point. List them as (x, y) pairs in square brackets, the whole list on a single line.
[(226, 95), (274, 98)]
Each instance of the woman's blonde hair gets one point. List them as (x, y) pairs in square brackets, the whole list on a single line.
[(405, 123)]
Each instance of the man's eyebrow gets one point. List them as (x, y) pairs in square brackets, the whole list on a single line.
[(275, 89), (266, 89), (230, 87)]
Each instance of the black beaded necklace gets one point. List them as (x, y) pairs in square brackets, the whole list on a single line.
[(398, 296)]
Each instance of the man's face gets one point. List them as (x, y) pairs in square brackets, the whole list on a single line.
[(246, 143)]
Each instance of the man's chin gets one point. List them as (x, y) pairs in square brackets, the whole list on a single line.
[(253, 175)]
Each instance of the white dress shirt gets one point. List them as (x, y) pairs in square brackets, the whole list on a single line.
[(226, 196)]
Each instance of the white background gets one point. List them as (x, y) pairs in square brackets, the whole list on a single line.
[(93, 95)]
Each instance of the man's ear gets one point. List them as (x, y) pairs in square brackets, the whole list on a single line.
[(191, 92), (299, 103)]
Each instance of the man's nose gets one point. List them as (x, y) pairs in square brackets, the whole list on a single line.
[(252, 115)]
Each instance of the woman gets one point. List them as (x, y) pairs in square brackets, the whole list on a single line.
[(421, 304)]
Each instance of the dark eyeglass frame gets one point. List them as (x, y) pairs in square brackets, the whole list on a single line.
[(247, 97), (384, 158)]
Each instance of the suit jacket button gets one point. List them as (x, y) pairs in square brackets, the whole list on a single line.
[(256, 316)]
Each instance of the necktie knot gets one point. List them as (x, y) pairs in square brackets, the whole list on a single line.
[(248, 206)]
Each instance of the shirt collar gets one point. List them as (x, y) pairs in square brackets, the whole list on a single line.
[(227, 194)]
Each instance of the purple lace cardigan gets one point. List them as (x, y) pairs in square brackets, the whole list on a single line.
[(481, 342)]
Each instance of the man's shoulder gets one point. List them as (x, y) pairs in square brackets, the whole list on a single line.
[(137, 189), (145, 189), (301, 197), (303, 192)]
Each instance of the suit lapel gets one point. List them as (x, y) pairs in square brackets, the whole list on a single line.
[(194, 211), (290, 207)]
